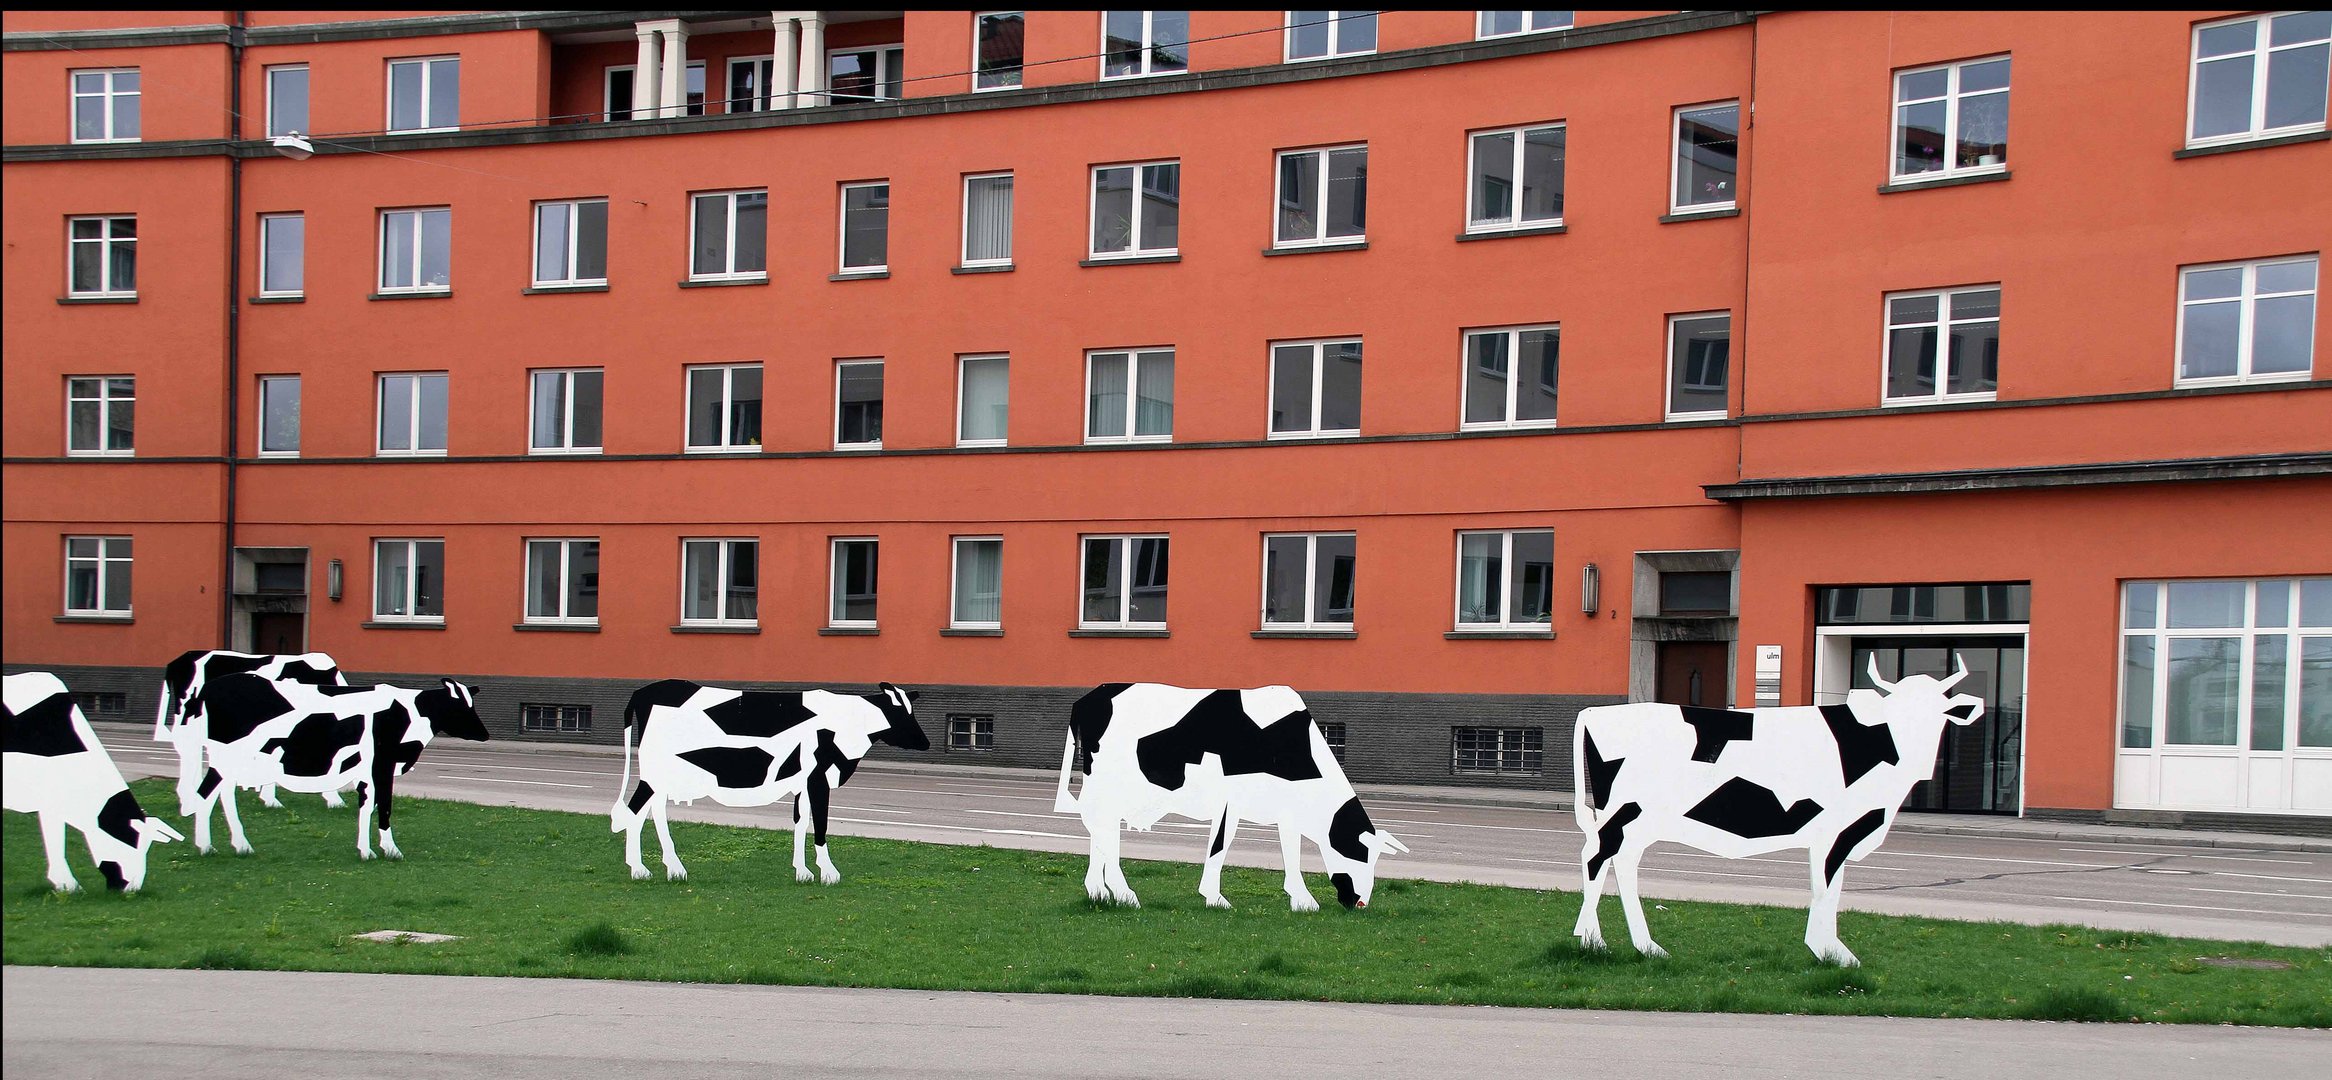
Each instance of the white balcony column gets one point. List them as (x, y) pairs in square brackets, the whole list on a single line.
[(812, 82), (644, 80), (781, 61), (675, 81)]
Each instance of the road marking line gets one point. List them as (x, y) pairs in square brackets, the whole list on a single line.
[(2271, 877), (459, 764), (2195, 907), (2253, 892), (500, 780), (2023, 862), (956, 828), (2190, 855), (958, 794), (1468, 825)]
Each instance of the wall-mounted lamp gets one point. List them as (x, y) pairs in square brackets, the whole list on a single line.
[(294, 146), (332, 580), (1590, 589)]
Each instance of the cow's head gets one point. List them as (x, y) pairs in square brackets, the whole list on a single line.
[(452, 709), (123, 836), (1351, 853), (898, 707), (1926, 695)]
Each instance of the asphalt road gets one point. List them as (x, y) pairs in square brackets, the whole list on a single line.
[(2229, 893), (234, 1025)]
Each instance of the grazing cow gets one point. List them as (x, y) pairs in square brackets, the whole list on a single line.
[(1218, 756), (318, 739), (179, 713), (750, 748), (55, 767), (1828, 779)]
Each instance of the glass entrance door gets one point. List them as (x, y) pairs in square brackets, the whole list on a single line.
[(1977, 768)]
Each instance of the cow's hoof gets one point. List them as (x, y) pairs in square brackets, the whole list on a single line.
[(242, 849), (1128, 899), (271, 804), (829, 877), (202, 849), (1097, 894), (1302, 903), (67, 885), (1217, 902), (1652, 951), (333, 801), (1837, 954), (639, 873), (391, 853), (675, 873), (802, 874), (364, 853)]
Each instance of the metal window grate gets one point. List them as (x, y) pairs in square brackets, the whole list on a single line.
[(554, 718), (971, 731), (1515, 750), (1333, 733), (102, 704)]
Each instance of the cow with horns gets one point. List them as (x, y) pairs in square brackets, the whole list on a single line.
[(178, 717), (55, 768), (1828, 779)]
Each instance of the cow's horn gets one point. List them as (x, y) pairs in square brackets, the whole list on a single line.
[(1953, 679), (1874, 675)]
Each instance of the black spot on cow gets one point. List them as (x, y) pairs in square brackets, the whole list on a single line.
[(315, 743), (640, 796), (793, 764), (670, 693), (1222, 835), (1346, 828), (1853, 834), (449, 715), (210, 782), (1609, 835), (178, 676), (1713, 728), (760, 714), (120, 817), (1601, 774), (1345, 893), (115, 880), (1219, 725), (738, 767), (1751, 810), (393, 744), (45, 730), (300, 671), (1964, 712), (238, 704), (1089, 718), (347, 761), (1861, 747), (904, 731)]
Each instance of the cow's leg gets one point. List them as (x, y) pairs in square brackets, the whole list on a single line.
[(673, 871), (819, 794), (235, 835), (802, 836), (1822, 914), (631, 834), (1593, 871), (1210, 880), (1630, 854), (333, 801), (188, 744), (52, 839), (1113, 874), (1096, 856), (205, 794), (267, 797), (1291, 853), (364, 807)]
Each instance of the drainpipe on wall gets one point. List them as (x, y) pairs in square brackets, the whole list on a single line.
[(234, 320)]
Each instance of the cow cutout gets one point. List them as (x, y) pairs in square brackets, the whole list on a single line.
[(315, 739), (1221, 757), (52, 765), (750, 748), (178, 716), (1828, 778)]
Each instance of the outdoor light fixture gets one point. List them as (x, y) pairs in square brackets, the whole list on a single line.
[(332, 580), (296, 147), (1590, 589)]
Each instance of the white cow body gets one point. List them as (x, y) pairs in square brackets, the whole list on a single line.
[(62, 773), (178, 715)]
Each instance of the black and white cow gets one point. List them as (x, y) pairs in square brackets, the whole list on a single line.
[(321, 738), (51, 764), (750, 748), (179, 713), (1218, 756), (1828, 779)]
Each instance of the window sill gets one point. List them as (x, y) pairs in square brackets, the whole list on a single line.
[(564, 451), (1500, 635), (1142, 440), (71, 300), (1505, 426), (1316, 249), (554, 290), (556, 628), (972, 631), (860, 275), (302, 299), (721, 451), (432, 294), (723, 283), (2250, 144), (848, 631), (1109, 633), (1130, 260), (1931, 402), (1522, 230), (1695, 418), (686, 629), (2217, 381), (97, 620), (1898, 186), (1003, 269), (378, 625), (407, 455), (1700, 215), (1307, 635)]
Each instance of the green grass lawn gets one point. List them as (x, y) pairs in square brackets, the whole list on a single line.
[(535, 892)]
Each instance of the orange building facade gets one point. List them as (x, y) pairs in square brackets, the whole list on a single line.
[(1715, 358)]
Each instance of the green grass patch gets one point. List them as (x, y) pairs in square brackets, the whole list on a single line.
[(534, 892)]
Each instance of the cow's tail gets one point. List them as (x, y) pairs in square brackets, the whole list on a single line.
[(165, 710), (616, 814), (1582, 784), (1063, 802)]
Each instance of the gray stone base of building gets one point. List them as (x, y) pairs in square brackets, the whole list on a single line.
[(1387, 738), (2214, 821)]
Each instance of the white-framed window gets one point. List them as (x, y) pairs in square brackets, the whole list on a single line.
[(724, 408), (1700, 349), (1511, 751), (283, 254), (1506, 580), (988, 219), (1139, 43), (279, 416), (1704, 169), (408, 580), (728, 235), (412, 414), (417, 250), (696, 88), (720, 582), (2234, 664), (1137, 209), (751, 79), (866, 228), (983, 400), (1315, 388), (1943, 345), (101, 414), (1307, 581), (1516, 177), (1511, 376), (1123, 586), (1951, 120), (562, 582), (97, 576), (1322, 197), (858, 405), (287, 100), (2247, 322), (563, 410), (425, 94), (852, 581), (1321, 35), (2258, 77), (997, 48), (616, 92), (106, 104), (102, 256), (869, 73), (1129, 395), (1498, 24), (976, 586), (570, 243)]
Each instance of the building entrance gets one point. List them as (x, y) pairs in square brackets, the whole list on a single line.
[(1977, 770)]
